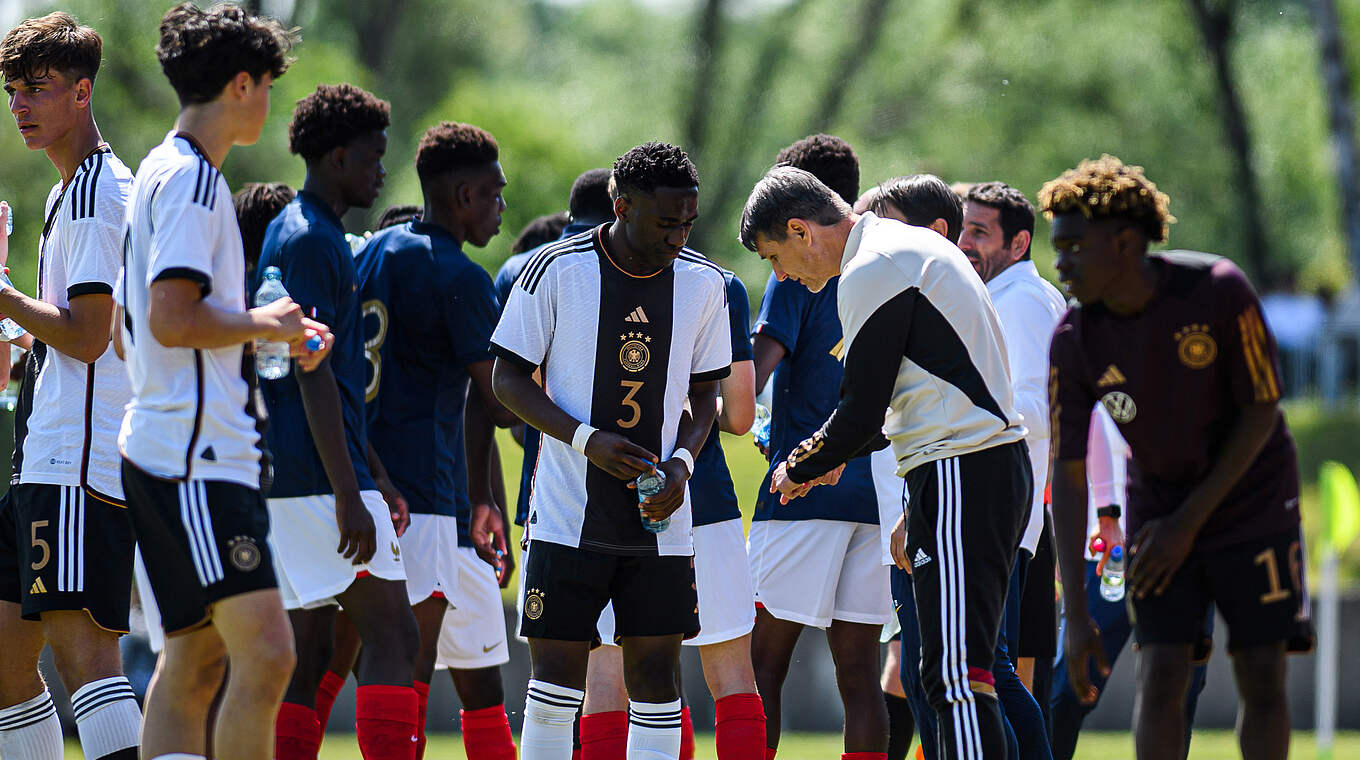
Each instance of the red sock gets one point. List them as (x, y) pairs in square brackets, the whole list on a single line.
[(330, 687), (770, 752), (385, 721), (864, 756), (604, 736), (576, 753), (686, 735), (486, 734), (422, 704), (739, 727), (297, 735)]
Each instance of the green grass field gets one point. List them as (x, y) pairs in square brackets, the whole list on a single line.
[(1095, 745)]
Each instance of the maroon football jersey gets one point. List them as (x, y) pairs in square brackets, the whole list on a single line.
[(1174, 378)]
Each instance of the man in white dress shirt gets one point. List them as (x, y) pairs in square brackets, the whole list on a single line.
[(998, 223)]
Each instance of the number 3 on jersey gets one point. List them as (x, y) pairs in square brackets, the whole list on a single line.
[(373, 345), (634, 409)]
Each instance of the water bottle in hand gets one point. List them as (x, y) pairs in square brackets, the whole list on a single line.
[(651, 483), (760, 429), (271, 356), (1112, 580)]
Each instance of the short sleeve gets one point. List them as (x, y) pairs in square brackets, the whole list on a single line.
[(712, 358), (311, 274), (95, 256), (1070, 397), (185, 232), (527, 323), (739, 315), (1253, 362), (470, 316), (781, 311)]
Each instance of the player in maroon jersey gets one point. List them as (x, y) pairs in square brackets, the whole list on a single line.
[(1174, 346)]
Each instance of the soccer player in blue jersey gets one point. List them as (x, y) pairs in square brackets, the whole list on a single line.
[(334, 536), (816, 561), (429, 312)]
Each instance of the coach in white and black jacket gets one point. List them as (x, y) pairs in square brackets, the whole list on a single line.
[(923, 341)]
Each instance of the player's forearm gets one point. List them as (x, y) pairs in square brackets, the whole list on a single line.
[(202, 325), (496, 476), (478, 437), (1069, 533), (325, 420), (81, 335), (1241, 447), (737, 410), (516, 389), (694, 425), (768, 354)]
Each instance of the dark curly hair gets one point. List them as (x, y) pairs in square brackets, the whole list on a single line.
[(829, 159), (651, 165), (394, 215), (256, 204), (1108, 188), (1016, 212), (450, 147), (544, 229), (200, 51), (333, 116), (54, 43)]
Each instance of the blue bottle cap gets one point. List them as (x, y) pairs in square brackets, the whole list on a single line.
[(1117, 552)]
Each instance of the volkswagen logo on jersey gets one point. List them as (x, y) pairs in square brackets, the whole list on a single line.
[(1120, 406)]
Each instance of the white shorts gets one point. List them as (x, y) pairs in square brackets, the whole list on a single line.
[(473, 633), (727, 609), (430, 544), (816, 571), (151, 614), (303, 536)]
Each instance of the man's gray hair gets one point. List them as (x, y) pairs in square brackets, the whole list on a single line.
[(786, 193)]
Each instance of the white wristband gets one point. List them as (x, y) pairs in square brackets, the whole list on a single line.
[(684, 456), (581, 436)]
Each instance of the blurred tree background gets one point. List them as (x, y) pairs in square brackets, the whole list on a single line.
[(1222, 100)]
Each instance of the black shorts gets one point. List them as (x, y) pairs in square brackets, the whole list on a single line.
[(201, 540), (1258, 587), (64, 549), (565, 589), (1038, 603)]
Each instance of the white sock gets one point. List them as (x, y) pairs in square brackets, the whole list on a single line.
[(107, 716), (653, 730), (31, 731), (549, 712)]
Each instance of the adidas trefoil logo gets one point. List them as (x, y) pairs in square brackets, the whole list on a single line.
[(920, 558), (1112, 376), (638, 315), (37, 587)]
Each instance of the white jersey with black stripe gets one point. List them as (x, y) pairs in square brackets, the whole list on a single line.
[(618, 351), (77, 408), (189, 416)]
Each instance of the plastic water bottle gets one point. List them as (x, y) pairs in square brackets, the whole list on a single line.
[(9, 219), (650, 483), (760, 429), (271, 356), (9, 329), (1112, 580)]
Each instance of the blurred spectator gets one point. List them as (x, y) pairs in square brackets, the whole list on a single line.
[(1297, 320)]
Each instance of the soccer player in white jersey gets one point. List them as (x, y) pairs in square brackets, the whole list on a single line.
[(922, 341), (66, 548), (191, 458), (624, 323)]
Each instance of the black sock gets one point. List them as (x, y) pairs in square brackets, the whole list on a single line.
[(901, 726)]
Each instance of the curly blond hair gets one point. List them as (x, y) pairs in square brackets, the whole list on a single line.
[(1108, 188)]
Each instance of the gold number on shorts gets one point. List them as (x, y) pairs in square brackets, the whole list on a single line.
[(633, 386), (1296, 564), (1276, 593), (41, 544), (372, 346)]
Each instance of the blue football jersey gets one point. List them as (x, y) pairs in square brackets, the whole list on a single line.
[(806, 390), (428, 313), (711, 493), (306, 241)]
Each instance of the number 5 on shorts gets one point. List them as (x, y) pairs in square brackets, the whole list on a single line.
[(40, 543)]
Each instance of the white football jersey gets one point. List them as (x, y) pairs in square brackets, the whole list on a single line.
[(617, 351), (190, 414), (69, 432)]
